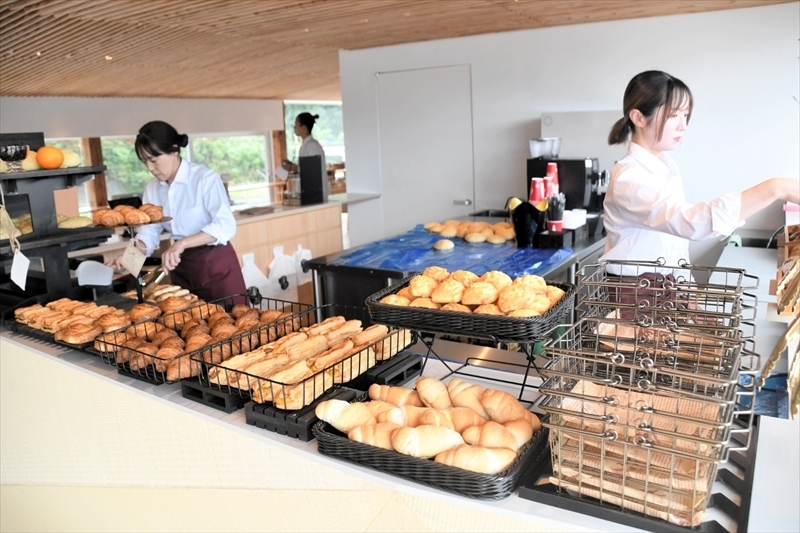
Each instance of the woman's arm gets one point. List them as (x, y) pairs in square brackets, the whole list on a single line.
[(762, 195), (172, 256)]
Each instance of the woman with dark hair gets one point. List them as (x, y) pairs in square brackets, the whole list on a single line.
[(646, 212), (200, 258), (303, 125)]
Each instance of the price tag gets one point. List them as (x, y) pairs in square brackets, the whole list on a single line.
[(132, 259), (19, 269)]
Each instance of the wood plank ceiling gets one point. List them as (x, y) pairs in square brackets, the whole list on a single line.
[(276, 49)]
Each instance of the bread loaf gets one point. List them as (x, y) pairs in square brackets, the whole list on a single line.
[(502, 407), (344, 416), (394, 395), (425, 441), (379, 434), (433, 393), (477, 458)]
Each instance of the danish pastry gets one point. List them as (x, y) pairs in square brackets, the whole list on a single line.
[(78, 333), (142, 312), (173, 304)]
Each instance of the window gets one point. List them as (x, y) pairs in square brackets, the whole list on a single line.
[(241, 160), (328, 129), (74, 144), (125, 174)]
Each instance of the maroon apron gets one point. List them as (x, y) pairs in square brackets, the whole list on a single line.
[(210, 272), (653, 294)]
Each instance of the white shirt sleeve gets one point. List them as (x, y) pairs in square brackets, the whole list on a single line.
[(222, 226), (150, 235), (647, 204)]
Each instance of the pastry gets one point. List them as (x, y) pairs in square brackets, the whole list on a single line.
[(433, 393), (459, 308), (443, 245), (480, 293), (394, 395), (435, 272), (465, 277), (424, 302), (477, 458), (344, 416), (421, 286), (142, 312), (379, 434), (500, 280), (425, 441), (134, 217), (448, 291), (113, 321), (173, 304), (394, 299)]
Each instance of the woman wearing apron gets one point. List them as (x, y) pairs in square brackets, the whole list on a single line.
[(200, 258)]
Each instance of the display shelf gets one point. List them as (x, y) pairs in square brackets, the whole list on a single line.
[(73, 172)]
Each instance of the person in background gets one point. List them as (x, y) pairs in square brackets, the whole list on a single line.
[(303, 125), (646, 213), (201, 257)]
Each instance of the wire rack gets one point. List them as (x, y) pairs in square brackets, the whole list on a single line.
[(653, 387), (261, 376), (120, 349), (709, 299)]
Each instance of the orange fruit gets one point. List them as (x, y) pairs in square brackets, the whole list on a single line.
[(49, 157)]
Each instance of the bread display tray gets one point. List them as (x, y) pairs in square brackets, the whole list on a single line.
[(333, 443), (495, 327)]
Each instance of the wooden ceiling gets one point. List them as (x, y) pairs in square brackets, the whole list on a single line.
[(276, 49)]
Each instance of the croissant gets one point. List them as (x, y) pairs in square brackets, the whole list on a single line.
[(404, 415), (394, 395), (433, 393), (344, 416), (425, 441), (502, 407), (135, 216), (464, 394), (379, 434), (491, 435)]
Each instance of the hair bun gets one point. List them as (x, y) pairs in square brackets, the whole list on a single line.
[(315, 117), (184, 140)]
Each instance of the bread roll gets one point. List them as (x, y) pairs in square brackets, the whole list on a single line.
[(443, 245), (424, 302), (344, 416), (436, 272), (378, 406), (379, 434), (404, 292), (502, 407), (475, 237), (480, 293), (448, 291), (464, 394), (465, 277), (495, 239), (554, 294), (463, 417), (421, 286), (455, 307), (524, 313), (522, 431), (536, 283), (435, 417), (477, 458), (500, 280), (425, 441), (394, 395), (404, 415), (487, 309), (448, 232), (491, 435), (433, 393), (394, 299), (370, 335), (518, 296)]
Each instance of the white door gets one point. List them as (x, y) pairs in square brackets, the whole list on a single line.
[(425, 128)]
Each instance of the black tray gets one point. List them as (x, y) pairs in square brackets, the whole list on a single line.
[(296, 424), (210, 395), (395, 371), (425, 471), (498, 328)]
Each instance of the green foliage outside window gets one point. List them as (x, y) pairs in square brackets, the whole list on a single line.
[(125, 174), (244, 157)]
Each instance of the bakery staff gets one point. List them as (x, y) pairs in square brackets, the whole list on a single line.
[(646, 212), (200, 258), (303, 125)]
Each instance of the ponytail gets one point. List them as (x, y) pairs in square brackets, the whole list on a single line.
[(620, 131)]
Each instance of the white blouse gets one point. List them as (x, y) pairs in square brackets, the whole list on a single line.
[(647, 216), (196, 201)]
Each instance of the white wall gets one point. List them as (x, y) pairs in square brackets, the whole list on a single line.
[(740, 64), (95, 117)]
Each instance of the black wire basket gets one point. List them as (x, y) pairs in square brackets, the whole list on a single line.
[(494, 327), (333, 443)]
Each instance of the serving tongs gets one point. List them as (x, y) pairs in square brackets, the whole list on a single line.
[(146, 280)]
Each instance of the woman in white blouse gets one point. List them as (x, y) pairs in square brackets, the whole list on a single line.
[(200, 258), (646, 212), (303, 125)]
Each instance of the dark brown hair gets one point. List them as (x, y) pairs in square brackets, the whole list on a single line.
[(156, 138), (647, 92), (308, 120)]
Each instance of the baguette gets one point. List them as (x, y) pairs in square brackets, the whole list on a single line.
[(358, 361), (425, 441), (394, 395), (433, 393), (379, 434), (344, 416), (477, 458)]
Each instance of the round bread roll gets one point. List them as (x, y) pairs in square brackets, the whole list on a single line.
[(488, 232), (424, 302), (448, 232), (455, 307), (488, 309), (430, 225), (436, 272), (495, 239), (536, 283), (475, 237), (448, 291), (479, 293), (500, 280), (394, 299), (421, 286), (443, 245), (506, 233), (501, 225), (554, 294), (521, 313), (465, 277), (517, 296), (434, 227), (405, 293), (477, 227)]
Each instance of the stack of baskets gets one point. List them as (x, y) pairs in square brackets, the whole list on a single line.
[(646, 390)]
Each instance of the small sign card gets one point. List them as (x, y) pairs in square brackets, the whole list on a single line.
[(132, 258), (19, 269)]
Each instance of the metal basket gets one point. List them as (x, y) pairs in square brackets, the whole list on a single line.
[(709, 299), (225, 374)]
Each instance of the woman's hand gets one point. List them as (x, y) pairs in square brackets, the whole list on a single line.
[(171, 258), (116, 263)]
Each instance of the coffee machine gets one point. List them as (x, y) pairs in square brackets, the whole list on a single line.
[(580, 180)]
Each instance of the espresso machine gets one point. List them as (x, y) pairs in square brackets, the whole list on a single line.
[(581, 181)]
